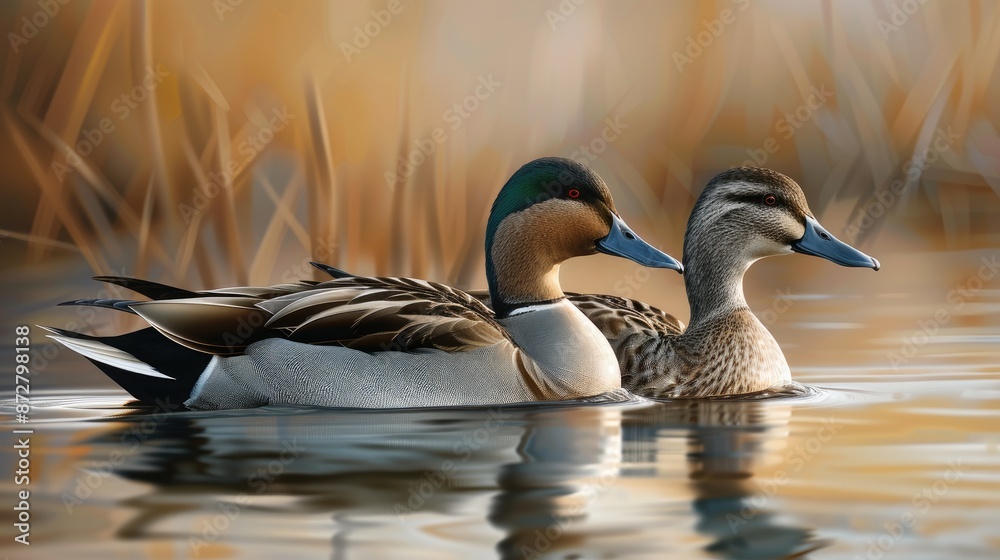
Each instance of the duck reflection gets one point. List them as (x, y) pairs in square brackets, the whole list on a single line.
[(727, 440), (566, 462), (547, 475), (547, 461), (370, 462)]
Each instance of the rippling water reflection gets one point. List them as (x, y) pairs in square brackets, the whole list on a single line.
[(867, 461), (766, 478)]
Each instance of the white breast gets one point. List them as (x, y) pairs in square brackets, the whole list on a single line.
[(566, 346)]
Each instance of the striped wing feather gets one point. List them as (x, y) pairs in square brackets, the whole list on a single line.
[(399, 314), (617, 316), (216, 325), (369, 314)]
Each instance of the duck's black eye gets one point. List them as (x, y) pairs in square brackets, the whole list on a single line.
[(574, 193), (770, 200)]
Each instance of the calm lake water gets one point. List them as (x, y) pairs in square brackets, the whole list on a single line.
[(891, 451)]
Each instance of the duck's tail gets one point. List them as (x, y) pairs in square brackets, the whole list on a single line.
[(334, 273), (151, 367)]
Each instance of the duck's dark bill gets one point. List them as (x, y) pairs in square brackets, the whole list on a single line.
[(820, 243), (621, 242)]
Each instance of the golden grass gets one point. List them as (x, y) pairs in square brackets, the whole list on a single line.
[(320, 183)]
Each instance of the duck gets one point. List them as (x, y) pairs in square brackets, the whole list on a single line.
[(367, 342), (744, 214)]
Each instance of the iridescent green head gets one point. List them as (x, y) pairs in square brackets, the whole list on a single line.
[(553, 209)]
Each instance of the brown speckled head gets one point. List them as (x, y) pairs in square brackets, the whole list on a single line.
[(745, 214), (750, 208)]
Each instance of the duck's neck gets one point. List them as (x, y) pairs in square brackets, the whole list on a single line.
[(714, 283), (733, 352), (520, 275), (569, 357), (517, 281)]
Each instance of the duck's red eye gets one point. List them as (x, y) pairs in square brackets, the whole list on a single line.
[(574, 193), (770, 200)]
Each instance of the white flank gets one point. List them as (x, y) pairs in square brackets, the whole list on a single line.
[(205, 374)]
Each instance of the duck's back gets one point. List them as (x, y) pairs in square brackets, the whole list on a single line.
[(353, 342)]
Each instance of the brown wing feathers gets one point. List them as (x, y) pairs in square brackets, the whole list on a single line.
[(216, 325), (364, 313), (369, 314)]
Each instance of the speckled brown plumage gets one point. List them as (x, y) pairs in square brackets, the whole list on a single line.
[(726, 349), (730, 354)]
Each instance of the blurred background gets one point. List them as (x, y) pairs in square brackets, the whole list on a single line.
[(229, 142), (220, 143)]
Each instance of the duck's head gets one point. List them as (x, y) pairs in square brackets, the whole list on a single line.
[(752, 212), (553, 209)]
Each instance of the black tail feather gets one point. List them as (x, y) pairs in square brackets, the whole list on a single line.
[(169, 358), (152, 290), (116, 304), (334, 272)]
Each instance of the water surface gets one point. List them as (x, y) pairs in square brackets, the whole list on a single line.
[(879, 458)]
